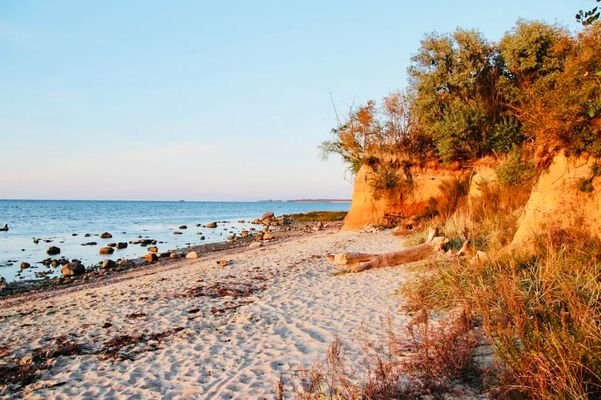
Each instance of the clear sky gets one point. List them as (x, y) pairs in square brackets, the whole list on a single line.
[(206, 100)]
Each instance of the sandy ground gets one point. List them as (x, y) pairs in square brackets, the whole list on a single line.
[(229, 331)]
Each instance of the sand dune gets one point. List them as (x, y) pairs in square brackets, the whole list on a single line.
[(228, 332)]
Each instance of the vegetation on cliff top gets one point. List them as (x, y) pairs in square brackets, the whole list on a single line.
[(539, 86)]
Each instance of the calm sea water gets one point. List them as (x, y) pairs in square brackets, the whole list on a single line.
[(58, 221)]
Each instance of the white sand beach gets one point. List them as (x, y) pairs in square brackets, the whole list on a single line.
[(229, 332)]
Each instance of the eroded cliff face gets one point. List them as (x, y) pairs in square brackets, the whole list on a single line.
[(365, 208), (369, 209), (562, 199)]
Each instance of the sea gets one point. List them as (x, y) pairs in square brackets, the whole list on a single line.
[(65, 223)]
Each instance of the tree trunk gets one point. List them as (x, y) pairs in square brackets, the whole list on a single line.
[(361, 261)]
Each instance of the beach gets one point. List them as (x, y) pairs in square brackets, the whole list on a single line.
[(194, 329)]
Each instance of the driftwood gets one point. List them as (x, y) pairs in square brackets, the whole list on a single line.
[(361, 261)]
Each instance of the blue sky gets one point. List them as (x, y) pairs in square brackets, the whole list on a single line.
[(204, 100)]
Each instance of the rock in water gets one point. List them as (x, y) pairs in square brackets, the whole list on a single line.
[(192, 255), (106, 250), (121, 245), (53, 250), (105, 235), (73, 268), (4, 228), (3, 283), (25, 265), (183, 227), (212, 225), (153, 249)]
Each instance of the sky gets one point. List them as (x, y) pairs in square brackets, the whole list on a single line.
[(206, 100)]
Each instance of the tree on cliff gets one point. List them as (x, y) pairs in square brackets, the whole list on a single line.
[(454, 79), (372, 132), (553, 86)]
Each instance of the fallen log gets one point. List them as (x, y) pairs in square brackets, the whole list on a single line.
[(362, 261)]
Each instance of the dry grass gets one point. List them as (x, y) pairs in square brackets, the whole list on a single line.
[(541, 311), (429, 359)]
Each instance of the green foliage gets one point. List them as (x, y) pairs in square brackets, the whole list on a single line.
[(532, 50), (388, 181), (453, 79), (539, 87), (506, 134), (586, 185), (515, 171), (588, 17), (552, 85), (316, 216)]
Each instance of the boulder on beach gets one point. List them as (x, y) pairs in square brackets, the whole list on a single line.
[(174, 256), (267, 215), (108, 263), (105, 235), (150, 258), (3, 283), (25, 265), (223, 262), (106, 250), (255, 245), (268, 236), (53, 250), (212, 225), (192, 255), (73, 268), (153, 249)]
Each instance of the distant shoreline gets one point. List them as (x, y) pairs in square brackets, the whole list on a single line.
[(335, 201)]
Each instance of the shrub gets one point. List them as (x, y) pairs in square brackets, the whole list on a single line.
[(515, 171), (390, 182)]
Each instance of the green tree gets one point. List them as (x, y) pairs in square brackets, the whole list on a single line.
[(454, 81)]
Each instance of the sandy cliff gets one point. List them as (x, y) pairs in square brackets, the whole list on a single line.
[(367, 208), (559, 201)]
